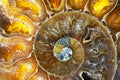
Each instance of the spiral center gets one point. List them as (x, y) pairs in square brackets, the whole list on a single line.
[(62, 50)]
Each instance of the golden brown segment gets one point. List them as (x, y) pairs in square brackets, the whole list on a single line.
[(40, 75), (19, 25), (77, 4), (55, 5), (99, 8), (12, 49), (33, 9), (21, 70), (77, 48), (113, 20), (15, 24), (24, 69)]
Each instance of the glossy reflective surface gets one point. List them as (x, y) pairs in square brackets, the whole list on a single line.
[(59, 39)]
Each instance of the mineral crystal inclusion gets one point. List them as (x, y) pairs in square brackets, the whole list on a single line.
[(65, 55), (62, 50)]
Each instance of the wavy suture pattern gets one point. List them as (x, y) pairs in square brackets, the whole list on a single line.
[(29, 30), (92, 36)]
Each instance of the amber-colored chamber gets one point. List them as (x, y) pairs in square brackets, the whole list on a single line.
[(23, 21)]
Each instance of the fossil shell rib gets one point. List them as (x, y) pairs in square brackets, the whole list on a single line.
[(99, 50)]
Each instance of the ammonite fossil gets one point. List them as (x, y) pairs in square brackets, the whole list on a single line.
[(59, 39)]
